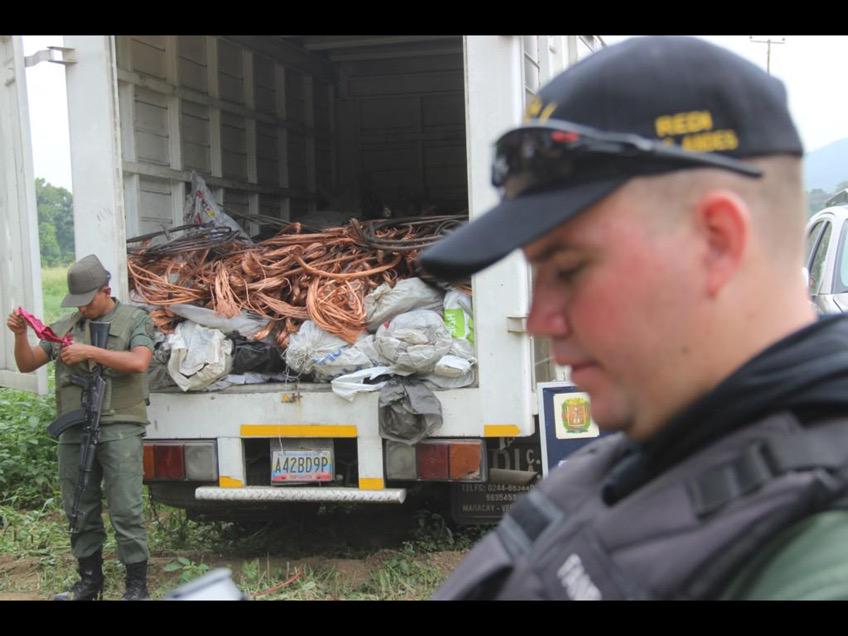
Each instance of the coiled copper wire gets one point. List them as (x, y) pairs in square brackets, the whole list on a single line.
[(291, 277)]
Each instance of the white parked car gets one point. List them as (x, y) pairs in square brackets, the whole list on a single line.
[(827, 255)]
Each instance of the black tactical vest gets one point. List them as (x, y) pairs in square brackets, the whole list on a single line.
[(682, 535)]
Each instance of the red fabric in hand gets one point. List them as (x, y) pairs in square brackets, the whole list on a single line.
[(43, 332)]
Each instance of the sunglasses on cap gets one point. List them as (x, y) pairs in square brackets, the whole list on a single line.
[(549, 153)]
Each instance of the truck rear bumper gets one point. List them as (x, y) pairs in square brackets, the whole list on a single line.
[(296, 493)]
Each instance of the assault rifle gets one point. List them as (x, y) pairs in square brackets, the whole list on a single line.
[(94, 390)]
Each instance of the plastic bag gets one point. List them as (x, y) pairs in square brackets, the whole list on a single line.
[(324, 356), (414, 341), (158, 376), (250, 356), (458, 315), (462, 349), (366, 345), (451, 373), (245, 324), (452, 366), (408, 411), (386, 302), (199, 356), (454, 370), (443, 383), (255, 378), (362, 381), (201, 207)]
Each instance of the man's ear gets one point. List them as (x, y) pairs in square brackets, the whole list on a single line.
[(723, 221)]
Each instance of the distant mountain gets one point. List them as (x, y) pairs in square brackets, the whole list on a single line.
[(826, 167)]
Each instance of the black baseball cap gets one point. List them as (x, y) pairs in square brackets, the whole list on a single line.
[(85, 277), (648, 105)]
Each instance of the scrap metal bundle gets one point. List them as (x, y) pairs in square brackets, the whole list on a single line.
[(322, 276)]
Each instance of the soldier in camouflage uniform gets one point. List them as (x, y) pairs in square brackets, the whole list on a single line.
[(119, 464)]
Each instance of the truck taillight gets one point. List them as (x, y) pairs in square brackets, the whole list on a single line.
[(169, 462), (149, 463), (437, 460), (433, 461), (180, 461)]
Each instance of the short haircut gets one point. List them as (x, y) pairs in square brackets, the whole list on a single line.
[(776, 200)]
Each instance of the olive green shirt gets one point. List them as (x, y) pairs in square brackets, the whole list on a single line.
[(809, 561), (142, 336)]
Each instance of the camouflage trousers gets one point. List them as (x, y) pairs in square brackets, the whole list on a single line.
[(117, 472)]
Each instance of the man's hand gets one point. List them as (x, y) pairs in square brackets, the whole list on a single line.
[(16, 324), (76, 353)]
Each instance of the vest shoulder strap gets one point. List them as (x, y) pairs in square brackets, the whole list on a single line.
[(822, 446), (65, 323)]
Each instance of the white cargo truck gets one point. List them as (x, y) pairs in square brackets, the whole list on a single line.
[(281, 126)]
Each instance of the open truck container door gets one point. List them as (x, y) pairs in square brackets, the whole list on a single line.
[(20, 273), (96, 171)]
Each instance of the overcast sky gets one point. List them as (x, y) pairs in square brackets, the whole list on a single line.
[(809, 65)]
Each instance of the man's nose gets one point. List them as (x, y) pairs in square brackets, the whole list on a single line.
[(547, 315)]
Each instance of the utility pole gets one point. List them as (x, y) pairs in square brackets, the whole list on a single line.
[(768, 42)]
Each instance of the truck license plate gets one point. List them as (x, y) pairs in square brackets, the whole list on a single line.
[(290, 465)]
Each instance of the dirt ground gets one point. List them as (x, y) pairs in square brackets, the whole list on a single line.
[(355, 572), (352, 545), (25, 574)]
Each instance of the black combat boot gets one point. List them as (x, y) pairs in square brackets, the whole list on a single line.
[(136, 582), (90, 585)]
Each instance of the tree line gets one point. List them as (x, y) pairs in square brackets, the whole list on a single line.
[(817, 197), (55, 224)]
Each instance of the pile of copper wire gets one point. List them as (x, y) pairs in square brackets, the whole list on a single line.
[(289, 278)]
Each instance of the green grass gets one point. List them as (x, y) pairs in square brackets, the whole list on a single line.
[(181, 550), (53, 287)]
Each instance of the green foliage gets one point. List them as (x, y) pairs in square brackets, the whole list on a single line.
[(816, 200), (55, 224), (51, 253), (403, 576), (170, 530), (188, 569), (54, 287), (28, 466), (40, 532), (27, 453)]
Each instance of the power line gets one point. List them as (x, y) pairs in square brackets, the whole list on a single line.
[(768, 42)]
